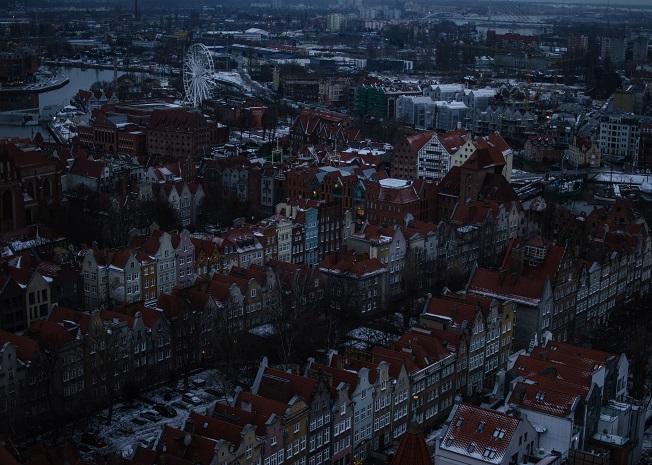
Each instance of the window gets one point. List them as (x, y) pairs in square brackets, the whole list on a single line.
[(296, 427), (498, 433), (489, 453)]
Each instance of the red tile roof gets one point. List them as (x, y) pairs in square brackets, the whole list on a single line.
[(424, 348), (200, 451), (417, 141), (493, 141), (450, 184), (582, 353), (548, 268), (172, 305), (395, 359), (374, 232), (120, 258), (150, 316), (349, 262), (176, 119), (214, 428), (505, 285), (458, 308), (337, 376), (344, 362), (30, 158), (401, 195), (531, 366), (484, 158), (412, 450), (474, 432), (452, 140), (571, 359), (26, 348), (545, 398), (474, 212), (60, 314), (241, 417), (282, 386), (50, 335), (261, 405), (496, 187)]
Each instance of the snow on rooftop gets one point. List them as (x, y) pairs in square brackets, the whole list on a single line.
[(394, 183)]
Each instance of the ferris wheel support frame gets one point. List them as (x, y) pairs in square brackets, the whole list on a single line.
[(197, 73)]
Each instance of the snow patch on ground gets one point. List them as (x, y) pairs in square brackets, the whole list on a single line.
[(124, 436)]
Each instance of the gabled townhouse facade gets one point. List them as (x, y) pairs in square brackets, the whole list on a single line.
[(24, 392), (293, 416), (432, 376), (327, 416), (268, 428), (532, 297), (575, 395), (306, 213), (184, 251), (159, 248), (95, 279), (361, 393), (124, 278), (486, 326)]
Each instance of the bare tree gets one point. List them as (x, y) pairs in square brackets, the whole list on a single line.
[(294, 318), (629, 332), (413, 283)]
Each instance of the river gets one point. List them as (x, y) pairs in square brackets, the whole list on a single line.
[(58, 98)]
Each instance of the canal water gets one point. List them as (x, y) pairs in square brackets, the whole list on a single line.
[(58, 98)]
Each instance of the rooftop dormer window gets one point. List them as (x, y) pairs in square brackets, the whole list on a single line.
[(489, 453)]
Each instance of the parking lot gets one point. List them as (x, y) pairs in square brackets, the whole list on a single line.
[(140, 423)]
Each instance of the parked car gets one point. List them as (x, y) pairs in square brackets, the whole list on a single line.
[(165, 410), (151, 415), (191, 399), (180, 405), (139, 421), (146, 443)]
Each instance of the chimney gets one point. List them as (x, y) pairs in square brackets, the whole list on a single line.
[(190, 427)]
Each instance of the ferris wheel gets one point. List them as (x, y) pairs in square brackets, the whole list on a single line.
[(198, 74)]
